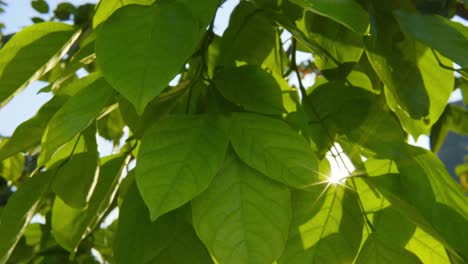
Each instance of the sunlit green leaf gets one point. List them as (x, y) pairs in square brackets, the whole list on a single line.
[(105, 8), (428, 249), (438, 83), (139, 57), (30, 53), (239, 212), (177, 160), (273, 148), (394, 58), (77, 114), (11, 169), (451, 40), (429, 195), (375, 250)]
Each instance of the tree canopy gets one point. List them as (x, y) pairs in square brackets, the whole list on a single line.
[(221, 151)]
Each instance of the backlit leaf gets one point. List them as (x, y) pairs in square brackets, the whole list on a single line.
[(178, 158), (451, 40), (141, 48), (30, 53), (326, 226), (252, 88), (240, 211), (71, 225), (375, 250), (77, 114), (272, 147), (346, 12)]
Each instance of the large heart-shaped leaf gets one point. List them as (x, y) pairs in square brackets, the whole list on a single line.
[(177, 160), (141, 48), (272, 147), (243, 217)]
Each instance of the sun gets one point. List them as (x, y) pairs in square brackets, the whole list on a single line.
[(339, 167)]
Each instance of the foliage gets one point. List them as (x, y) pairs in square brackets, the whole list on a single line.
[(226, 161)]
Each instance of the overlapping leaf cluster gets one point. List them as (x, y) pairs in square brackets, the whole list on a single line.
[(228, 164)]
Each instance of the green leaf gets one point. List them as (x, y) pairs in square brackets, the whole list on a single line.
[(77, 114), (451, 40), (457, 119), (203, 11), (170, 239), (346, 12), (394, 58), (239, 212), (157, 109), (139, 57), (64, 10), (106, 8), (337, 106), (19, 210), (428, 249), (375, 250), (273, 148), (392, 227), (29, 134), (246, 24), (326, 226), (79, 171), (40, 6), (344, 45), (111, 126), (438, 83), (71, 225), (30, 53), (77, 85), (334, 107), (178, 158), (253, 88), (428, 194), (11, 169)]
